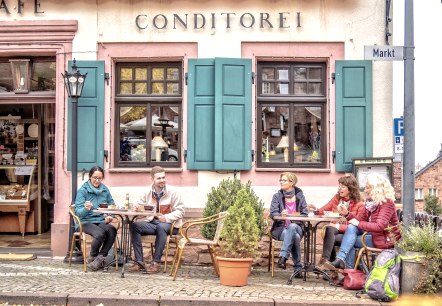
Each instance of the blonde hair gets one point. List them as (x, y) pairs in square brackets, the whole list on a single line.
[(291, 177), (381, 188)]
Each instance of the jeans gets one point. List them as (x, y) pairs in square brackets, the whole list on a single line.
[(156, 228), (352, 240), (332, 238), (291, 243), (104, 237)]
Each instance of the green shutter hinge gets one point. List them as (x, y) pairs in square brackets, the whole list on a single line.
[(253, 78), (186, 77), (333, 77), (185, 156), (253, 156), (107, 77)]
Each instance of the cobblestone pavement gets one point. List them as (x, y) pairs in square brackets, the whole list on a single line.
[(22, 281)]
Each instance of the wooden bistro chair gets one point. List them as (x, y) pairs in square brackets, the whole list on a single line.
[(273, 243), (367, 251), (186, 240), (81, 237)]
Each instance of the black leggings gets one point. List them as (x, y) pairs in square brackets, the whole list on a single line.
[(332, 238), (104, 237)]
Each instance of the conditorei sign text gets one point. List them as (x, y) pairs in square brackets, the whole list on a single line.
[(281, 20)]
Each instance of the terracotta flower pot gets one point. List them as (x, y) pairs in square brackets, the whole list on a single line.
[(234, 271)]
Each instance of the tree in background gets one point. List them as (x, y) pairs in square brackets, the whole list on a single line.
[(432, 205)]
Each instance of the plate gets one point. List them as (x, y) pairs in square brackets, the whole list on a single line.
[(33, 130), (113, 209), (19, 129)]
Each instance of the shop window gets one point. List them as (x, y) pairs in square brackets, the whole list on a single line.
[(418, 194), (25, 75), (291, 106), (148, 106)]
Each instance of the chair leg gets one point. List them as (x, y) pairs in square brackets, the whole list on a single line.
[(214, 261), (116, 254), (84, 253), (358, 258), (166, 253), (175, 257), (178, 263), (71, 250), (273, 259), (270, 254)]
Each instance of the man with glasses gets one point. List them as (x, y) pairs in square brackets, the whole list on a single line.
[(166, 201), (89, 197)]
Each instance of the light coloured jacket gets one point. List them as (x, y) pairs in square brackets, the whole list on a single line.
[(171, 205)]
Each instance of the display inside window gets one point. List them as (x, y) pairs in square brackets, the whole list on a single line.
[(362, 167)]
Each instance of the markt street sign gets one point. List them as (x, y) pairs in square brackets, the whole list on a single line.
[(384, 53)]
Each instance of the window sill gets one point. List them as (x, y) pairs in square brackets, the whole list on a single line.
[(141, 170), (307, 170)]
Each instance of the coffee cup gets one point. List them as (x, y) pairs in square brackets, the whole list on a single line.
[(103, 205), (327, 213)]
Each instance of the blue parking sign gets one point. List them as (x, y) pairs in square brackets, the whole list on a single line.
[(398, 126)]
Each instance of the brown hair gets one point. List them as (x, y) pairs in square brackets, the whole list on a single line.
[(353, 186), (290, 176), (155, 170)]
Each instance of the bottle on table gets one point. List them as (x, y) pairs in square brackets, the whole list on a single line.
[(126, 202)]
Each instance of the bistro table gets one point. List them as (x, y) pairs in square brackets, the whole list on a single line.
[(127, 217), (310, 227)]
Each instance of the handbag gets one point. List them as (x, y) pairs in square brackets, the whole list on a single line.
[(354, 279)]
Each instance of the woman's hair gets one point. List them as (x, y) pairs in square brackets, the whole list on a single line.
[(94, 169), (381, 188), (290, 176), (353, 186)]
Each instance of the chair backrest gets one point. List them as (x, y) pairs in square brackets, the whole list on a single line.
[(76, 218), (219, 225)]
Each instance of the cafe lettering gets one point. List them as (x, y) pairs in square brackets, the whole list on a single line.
[(20, 5), (281, 20)]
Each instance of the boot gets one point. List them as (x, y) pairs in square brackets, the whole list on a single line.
[(90, 259), (97, 264), (337, 264), (281, 262)]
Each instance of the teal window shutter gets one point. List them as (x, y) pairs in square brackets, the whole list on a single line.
[(201, 114), (354, 112), (233, 113), (219, 114), (90, 117)]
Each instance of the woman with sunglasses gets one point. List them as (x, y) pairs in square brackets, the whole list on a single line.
[(288, 200), (89, 197)]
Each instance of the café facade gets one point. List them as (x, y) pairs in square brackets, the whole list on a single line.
[(208, 90)]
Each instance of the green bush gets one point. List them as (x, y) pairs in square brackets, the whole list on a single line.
[(223, 196), (432, 205), (240, 234)]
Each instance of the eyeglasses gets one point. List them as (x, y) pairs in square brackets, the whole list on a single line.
[(98, 179), (283, 181)]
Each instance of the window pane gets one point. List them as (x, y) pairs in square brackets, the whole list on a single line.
[(315, 73), (268, 88), (157, 88), (43, 76), (140, 73), (173, 74), (268, 74), (140, 88), (307, 134), (283, 74), (283, 88), (275, 124), (6, 84), (173, 88), (133, 134), (125, 88), (300, 88), (165, 131), (157, 74), (315, 88), (300, 73), (126, 74)]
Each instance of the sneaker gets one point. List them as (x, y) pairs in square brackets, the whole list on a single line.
[(98, 263), (281, 262), (337, 264), (90, 259), (153, 268)]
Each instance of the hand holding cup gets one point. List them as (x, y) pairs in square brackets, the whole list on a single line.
[(88, 205)]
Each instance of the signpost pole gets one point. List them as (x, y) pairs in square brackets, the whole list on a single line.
[(409, 119)]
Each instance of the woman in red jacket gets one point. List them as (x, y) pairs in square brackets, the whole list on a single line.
[(347, 201), (382, 223)]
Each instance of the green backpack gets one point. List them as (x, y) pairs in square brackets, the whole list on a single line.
[(382, 283)]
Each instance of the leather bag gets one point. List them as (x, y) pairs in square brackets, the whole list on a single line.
[(354, 279)]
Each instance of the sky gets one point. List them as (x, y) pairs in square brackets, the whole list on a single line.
[(427, 75)]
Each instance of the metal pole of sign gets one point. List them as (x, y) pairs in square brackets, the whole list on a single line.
[(409, 119)]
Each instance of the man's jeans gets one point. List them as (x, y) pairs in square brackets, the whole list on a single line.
[(291, 237), (352, 239), (159, 229)]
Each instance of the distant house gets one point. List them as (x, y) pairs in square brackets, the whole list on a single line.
[(428, 180)]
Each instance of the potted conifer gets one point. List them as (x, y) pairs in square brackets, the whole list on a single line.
[(239, 241)]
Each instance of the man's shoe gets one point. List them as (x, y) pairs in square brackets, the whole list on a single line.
[(137, 267), (90, 259), (337, 264), (300, 273), (281, 262), (97, 264), (154, 267)]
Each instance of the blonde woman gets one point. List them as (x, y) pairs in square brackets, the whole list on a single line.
[(382, 225)]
